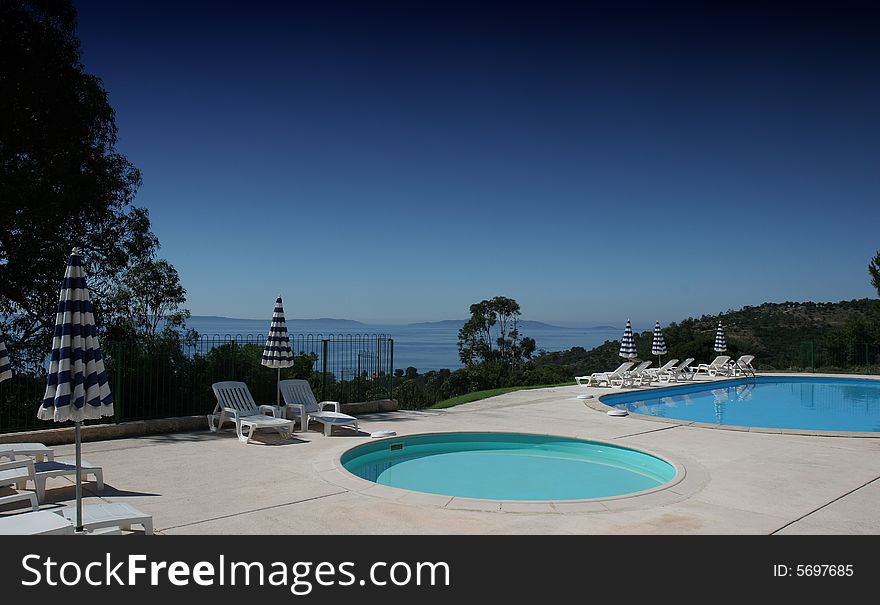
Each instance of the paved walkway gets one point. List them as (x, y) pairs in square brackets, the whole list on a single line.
[(738, 481)]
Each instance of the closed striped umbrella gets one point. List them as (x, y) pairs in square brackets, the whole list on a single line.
[(658, 346), (720, 341), (628, 342), (277, 353), (77, 387), (5, 366)]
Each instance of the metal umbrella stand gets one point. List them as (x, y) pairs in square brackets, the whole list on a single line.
[(77, 387)]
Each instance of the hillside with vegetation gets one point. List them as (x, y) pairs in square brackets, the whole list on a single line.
[(841, 336)]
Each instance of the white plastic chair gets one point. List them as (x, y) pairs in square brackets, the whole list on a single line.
[(18, 473), (236, 404), (39, 451), (743, 366), (662, 370), (718, 366), (679, 373), (636, 377), (298, 397), (606, 377)]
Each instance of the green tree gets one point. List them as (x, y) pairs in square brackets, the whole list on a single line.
[(148, 296), (874, 271), (491, 335), (62, 182)]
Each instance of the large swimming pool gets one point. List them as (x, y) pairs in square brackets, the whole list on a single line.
[(507, 466), (789, 402)]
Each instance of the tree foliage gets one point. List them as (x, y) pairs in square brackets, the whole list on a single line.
[(491, 335), (148, 304), (62, 182), (874, 271)]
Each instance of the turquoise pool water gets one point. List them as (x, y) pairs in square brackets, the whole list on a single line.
[(507, 466), (796, 402)]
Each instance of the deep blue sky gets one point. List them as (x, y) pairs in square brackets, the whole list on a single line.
[(396, 163)]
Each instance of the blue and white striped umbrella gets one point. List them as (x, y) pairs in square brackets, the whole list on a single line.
[(77, 387), (720, 341), (658, 346), (5, 366), (277, 353), (628, 343)]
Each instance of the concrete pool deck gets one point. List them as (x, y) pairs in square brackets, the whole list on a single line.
[(737, 482)]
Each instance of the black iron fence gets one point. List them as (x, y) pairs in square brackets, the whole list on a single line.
[(166, 380), (821, 356)]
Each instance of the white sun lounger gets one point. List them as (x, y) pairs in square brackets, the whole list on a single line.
[(600, 377), (64, 468), (37, 523), (679, 373), (718, 366), (743, 366), (39, 451), (329, 419), (18, 472), (635, 377), (666, 367), (299, 399), (98, 516), (236, 404)]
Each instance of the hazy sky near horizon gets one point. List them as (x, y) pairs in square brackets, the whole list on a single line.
[(397, 162)]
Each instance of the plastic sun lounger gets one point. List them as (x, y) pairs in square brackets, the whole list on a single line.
[(39, 451), (18, 472), (37, 523), (63, 468), (99, 516), (636, 377), (743, 366), (600, 377), (29, 497), (666, 367), (329, 419), (681, 372), (236, 404), (299, 398), (718, 366)]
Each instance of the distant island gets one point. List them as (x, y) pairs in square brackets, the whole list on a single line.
[(525, 324), (322, 320)]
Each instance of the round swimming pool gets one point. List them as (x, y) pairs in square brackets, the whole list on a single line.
[(507, 466), (786, 402)]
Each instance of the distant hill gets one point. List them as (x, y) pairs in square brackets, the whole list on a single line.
[(788, 335), (524, 324), (216, 319)]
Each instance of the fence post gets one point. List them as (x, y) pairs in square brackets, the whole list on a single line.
[(117, 383), (325, 347), (390, 368)]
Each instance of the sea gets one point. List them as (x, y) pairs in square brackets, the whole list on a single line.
[(424, 346)]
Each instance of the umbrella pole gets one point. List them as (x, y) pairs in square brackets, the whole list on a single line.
[(79, 523), (278, 389)]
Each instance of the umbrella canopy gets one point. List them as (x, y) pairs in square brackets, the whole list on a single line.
[(77, 387), (720, 341), (5, 366), (658, 346), (277, 353), (628, 343)]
